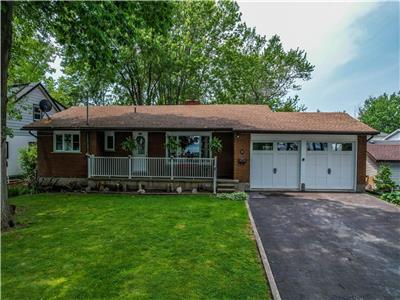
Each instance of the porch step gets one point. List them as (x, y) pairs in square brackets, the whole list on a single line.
[(221, 180), (226, 190), (227, 185)]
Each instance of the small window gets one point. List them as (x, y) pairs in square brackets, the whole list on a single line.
[(284, 146), (37, 114), (263, 146), (7, 150), (316, 146), (109, 141), (66, 142), (342, 146)]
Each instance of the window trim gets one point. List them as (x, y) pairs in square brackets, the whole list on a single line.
[(55, 133), (106, 135), (33, 112)]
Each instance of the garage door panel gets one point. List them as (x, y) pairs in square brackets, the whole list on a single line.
[(273, 168), (261, 169), (330, 167)]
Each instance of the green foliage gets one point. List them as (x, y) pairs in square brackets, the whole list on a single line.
[(31, 52), (383, 181), (172, 144), (129, 144), (216, 145), (116, 243), (382, 112), (18, 190), (147, 52), (393, 197), (237, 196), (28, 162)]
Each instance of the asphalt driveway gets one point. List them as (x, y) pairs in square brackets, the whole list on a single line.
[(330, 245)]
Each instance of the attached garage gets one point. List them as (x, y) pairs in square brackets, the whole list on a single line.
[(307, 162)]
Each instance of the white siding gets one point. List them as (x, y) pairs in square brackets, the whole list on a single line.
[(372, 167), (26, 108), (22, 138), (395, 168)]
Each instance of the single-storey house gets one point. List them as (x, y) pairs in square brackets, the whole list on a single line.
[(262, 150), (387, 153)]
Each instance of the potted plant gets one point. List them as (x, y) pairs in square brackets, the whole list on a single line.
[(215, 145), (172, 145), (129, 145)]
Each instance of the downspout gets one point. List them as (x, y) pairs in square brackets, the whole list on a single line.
[(32, 134)]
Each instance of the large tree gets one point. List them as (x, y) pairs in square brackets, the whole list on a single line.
[(188, 49), (382, 113), (6, 43)]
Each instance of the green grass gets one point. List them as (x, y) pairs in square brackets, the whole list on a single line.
[(130, 247)]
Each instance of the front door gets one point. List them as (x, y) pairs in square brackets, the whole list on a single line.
[(140, 153)]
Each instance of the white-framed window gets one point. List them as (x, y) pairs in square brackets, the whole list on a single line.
[(109, 141), (66, 141), (37, 114), (191, 144), (263, 146)]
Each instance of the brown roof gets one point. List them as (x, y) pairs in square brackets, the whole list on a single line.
[(384, 152), (255, 118)]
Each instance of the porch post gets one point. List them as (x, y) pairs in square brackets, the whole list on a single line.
[(88, 165), (129, 166), (172, 168), (215, 176)]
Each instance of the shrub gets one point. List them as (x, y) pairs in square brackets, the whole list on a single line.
[(28, 161), (393, 197), (238, 196), (18, 190), (383, 180)]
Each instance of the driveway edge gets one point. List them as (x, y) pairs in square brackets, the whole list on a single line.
[(263, 255)]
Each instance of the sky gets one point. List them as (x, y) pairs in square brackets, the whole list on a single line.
[(354, 46)]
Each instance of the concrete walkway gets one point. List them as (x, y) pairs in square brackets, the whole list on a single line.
[(330, 245)]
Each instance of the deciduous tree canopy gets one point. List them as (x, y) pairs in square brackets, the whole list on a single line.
[(382, 113), (163, 53)]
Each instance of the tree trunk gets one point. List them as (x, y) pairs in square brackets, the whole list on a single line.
[(6, 33)]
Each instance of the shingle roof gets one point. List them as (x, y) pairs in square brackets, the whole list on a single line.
[(255, 118), (384, 152)]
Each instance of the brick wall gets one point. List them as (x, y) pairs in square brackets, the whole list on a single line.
[(241, 150), (52, 164), (361, 161)]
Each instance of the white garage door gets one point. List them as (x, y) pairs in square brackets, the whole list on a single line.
[(329, 166), (275, 165)]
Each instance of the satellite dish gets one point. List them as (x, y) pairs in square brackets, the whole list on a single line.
[(45, 105)]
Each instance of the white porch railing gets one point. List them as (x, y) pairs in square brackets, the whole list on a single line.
[(152, 167)]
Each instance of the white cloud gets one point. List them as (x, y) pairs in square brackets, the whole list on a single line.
[(323, 29)]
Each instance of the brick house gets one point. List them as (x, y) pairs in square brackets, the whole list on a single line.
[(262, 150)]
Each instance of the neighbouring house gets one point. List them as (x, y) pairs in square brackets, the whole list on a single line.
[(26, 97), (262, 150), (385, 151)]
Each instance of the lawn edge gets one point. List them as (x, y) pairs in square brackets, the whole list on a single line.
[(263, 256)]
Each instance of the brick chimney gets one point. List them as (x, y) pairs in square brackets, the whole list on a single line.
[(192, 102)]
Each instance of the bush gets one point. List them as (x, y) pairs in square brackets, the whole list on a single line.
[(383, 180), (28, 161), (393, 197), (238, 196), (18, 190)]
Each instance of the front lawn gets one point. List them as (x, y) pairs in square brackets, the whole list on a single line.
[(130, 247)]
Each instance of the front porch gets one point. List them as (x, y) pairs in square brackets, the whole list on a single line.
[(149, 168)]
